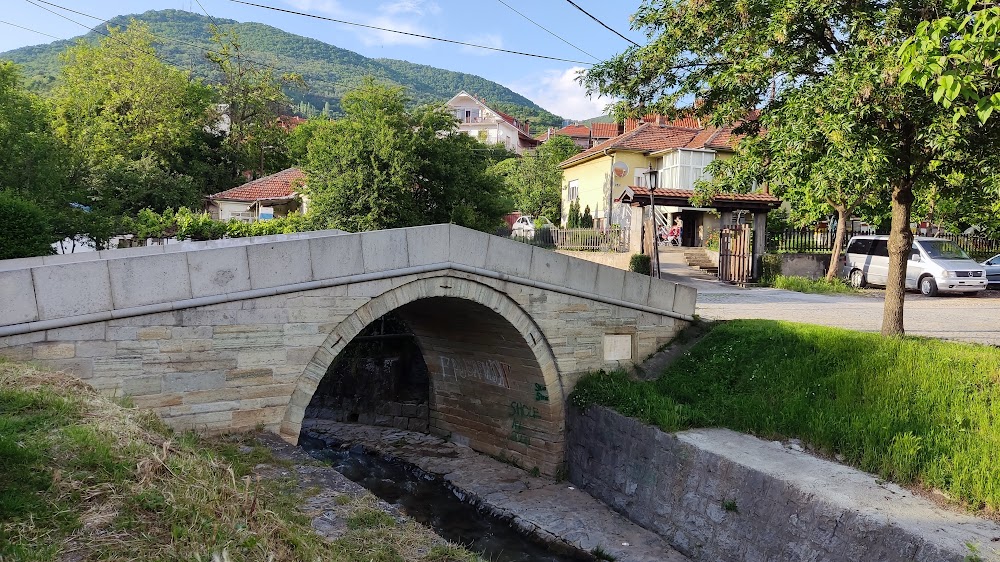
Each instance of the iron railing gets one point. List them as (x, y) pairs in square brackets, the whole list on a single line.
[(589, 239), (820, 241)]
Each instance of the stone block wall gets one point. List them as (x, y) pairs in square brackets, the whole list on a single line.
[(229, 336), (618, 260), (721, 496)]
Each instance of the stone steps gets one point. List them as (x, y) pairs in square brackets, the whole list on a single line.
[(698, 259)]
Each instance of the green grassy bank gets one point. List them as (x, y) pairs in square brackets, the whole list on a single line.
[(911, 410), (85, 478)]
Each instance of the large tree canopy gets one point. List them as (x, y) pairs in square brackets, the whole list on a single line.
[(128, 116), (383, 166), (830, 65), (533, 181)]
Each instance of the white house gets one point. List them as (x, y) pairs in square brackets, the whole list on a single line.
[(264, 198), (488, 125)]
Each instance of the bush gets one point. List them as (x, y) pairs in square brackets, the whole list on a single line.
[(24, 229), (770, 268), (640, 263)]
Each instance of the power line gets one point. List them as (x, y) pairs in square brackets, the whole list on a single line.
[(422, 36), (547, 30), (31, 30), (160, 37), (602, 23), (200, 5)]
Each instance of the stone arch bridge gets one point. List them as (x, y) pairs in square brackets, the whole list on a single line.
[(234, 334)]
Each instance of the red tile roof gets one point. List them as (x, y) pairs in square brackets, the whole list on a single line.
[(647, 137), (721, 197), (275, 186), (605, 130), (574, 131)]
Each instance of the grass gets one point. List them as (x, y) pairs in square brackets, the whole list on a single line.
[(910, 410), (86, 478), (806, 285)]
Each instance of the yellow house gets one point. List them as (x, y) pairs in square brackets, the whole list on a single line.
[(677, 154)]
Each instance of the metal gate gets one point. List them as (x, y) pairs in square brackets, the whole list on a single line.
[(736, 254)]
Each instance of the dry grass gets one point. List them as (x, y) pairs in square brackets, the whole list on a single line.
[(85, 478)]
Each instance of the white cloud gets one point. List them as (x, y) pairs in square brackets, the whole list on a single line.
[(559, 92), (487, 40), (400, 15)]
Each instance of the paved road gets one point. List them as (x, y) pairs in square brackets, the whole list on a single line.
[(974, 319)]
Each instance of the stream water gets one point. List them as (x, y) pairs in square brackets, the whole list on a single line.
[(427, 499)]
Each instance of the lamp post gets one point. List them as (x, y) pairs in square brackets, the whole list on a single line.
[(654, 260)]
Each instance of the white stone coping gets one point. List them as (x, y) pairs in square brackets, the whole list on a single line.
[(850, 490), (182, 246), (120, 284)]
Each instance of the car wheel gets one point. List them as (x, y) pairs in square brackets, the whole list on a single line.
[(928, 286), (858, 279)]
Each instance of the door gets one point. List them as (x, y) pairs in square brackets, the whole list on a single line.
[(878, 264), (914, 268)]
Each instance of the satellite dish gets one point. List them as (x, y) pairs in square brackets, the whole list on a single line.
[(620, 169)]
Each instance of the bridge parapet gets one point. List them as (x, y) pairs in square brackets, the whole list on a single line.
[(36, 296)]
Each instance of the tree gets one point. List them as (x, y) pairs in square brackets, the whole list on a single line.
[(813, 159), (253, 99), (534, 181), (120, 109), (740, 58), (954, 58), (383, 166), (25, 231)]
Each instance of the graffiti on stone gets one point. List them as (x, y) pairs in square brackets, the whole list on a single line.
[(541, 393), (519, 410), (518, 413), (488, 371)]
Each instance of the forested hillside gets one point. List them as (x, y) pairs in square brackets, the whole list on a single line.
[(328, 71)]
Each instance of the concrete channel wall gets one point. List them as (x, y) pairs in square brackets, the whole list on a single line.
[(721, 496)]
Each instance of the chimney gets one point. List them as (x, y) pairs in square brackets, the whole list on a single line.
[(527, 126), (659, 120)]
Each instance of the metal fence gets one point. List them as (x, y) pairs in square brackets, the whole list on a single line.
[(591, 239), (816, 241)]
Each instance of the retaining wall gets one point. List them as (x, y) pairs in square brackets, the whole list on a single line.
[(813, 266), (721, 496), (613, 259)]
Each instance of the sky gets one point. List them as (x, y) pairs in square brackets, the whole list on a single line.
[(495, 23)]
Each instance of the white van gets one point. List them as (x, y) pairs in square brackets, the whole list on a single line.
[(935, 265)]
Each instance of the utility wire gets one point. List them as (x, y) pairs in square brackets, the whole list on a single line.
[(602, 23), (31, 30), (160, 37), (543, 28), (200, 5), (422, 36), (96, 30)]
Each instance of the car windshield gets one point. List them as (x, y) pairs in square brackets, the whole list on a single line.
[(943, 249)]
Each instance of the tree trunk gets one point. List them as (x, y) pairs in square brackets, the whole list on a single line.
[(900, 243), (838, 242)]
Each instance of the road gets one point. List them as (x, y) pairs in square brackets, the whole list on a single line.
[(974, 319)]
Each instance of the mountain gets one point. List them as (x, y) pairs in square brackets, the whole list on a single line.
[(328, 71)]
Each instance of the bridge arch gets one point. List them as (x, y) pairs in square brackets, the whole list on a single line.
[(494, 380)]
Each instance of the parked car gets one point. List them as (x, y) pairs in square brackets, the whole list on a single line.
[(935, 265), (992, 266), (524, 226)]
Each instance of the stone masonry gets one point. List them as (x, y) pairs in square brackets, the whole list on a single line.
[(230, 335), (720, 496)]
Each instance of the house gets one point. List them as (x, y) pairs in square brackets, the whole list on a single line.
[(615, 176), (264, 198), (490, 126), (600, 132), (580, 134)]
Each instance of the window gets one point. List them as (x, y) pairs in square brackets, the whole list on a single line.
[(943, 249), (881, 248), (574, 190), (860, 246)]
